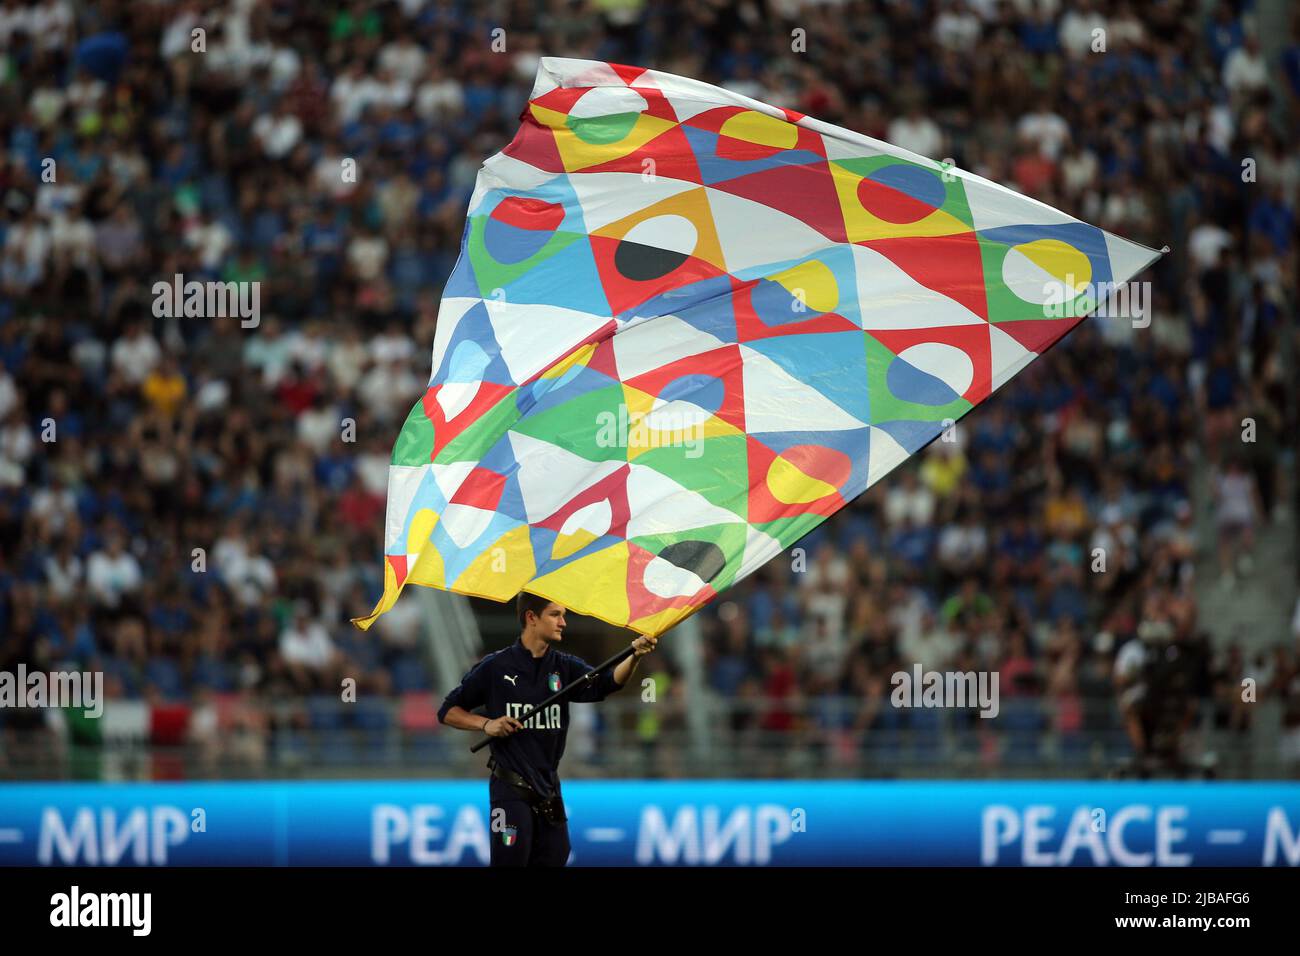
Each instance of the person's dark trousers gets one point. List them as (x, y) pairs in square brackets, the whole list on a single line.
[(523, 838)]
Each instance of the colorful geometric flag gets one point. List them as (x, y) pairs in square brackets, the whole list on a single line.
[(687, 327)]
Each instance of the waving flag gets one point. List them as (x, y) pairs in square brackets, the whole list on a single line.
[(686, 327)]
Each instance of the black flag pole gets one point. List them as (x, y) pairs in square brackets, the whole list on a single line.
[(565, 691)]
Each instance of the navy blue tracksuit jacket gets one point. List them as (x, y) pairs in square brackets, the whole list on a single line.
[(507, 681)]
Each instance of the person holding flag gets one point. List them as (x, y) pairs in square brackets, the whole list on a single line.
[(528, 822)]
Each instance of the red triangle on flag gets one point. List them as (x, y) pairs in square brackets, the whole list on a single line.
[(952, 265)]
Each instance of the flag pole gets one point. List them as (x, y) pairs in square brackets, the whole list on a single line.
[(565, 691)]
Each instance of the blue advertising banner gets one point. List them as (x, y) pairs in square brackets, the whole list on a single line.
[(659, 823)]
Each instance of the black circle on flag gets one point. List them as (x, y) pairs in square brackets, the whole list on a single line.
[(703, 558), (642, 263)]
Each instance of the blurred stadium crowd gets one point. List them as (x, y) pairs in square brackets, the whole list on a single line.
[(175, 434)]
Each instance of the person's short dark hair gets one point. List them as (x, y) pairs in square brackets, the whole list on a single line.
[(529, 602)]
